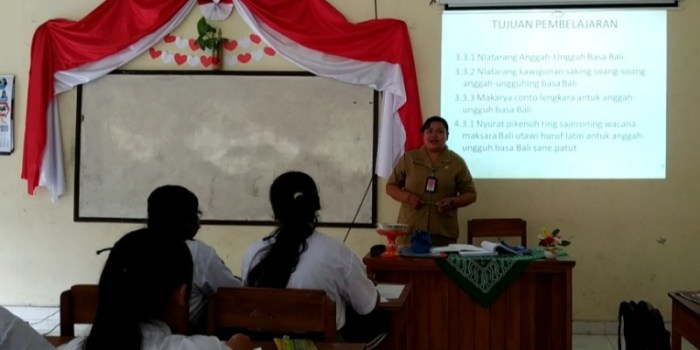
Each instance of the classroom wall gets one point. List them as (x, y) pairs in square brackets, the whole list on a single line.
[(631, 239)]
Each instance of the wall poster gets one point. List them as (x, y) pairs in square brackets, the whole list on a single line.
[(7, 144)]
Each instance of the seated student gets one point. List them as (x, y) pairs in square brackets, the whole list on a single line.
[(174, 211), (295, 255), (16, 334), (143, 278)]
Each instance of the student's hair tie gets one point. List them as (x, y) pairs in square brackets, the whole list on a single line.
[(103, 250), (298, 195)]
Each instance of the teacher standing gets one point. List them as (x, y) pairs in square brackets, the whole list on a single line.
[(431, 183)]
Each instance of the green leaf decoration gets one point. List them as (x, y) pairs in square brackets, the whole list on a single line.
[(209, 37)]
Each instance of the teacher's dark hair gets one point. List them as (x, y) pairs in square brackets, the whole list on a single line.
[(435, 118), (137, 283), (295, 204), (174, 211)]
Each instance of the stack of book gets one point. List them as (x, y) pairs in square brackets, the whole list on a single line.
[(486, 249), (692, 296)]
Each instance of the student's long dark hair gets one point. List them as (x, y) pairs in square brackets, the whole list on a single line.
[(174, 211), (295, 203), (139, 280)]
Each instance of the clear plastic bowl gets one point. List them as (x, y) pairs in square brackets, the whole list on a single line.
[(384, 227)]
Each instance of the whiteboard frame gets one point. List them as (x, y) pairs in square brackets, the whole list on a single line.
[(369, 198)]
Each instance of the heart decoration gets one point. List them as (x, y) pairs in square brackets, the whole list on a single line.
[(180, 59), (181, 43), (231, 45), (193, 45), (206, 61), (155, 53), (216, 10), (166, 58), (255, 39), (244, 42), (230, 60), (169, 38), (193, 61), (257, 55), (244, 58), (269, 51)]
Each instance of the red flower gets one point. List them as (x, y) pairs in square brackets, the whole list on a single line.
[(547, 241)]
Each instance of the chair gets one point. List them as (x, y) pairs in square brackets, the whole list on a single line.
[(497, 228), (78, 306), (272, 312)]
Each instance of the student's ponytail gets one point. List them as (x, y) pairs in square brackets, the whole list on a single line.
[(295, 203)]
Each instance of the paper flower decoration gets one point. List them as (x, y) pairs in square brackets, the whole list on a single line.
[(551, 240)]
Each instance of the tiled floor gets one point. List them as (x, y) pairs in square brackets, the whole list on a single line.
[(606, 342), (594, 342)]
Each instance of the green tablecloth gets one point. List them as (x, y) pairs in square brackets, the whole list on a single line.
[(484, 278)]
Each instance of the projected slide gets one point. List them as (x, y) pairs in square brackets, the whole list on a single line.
[(556, 94)]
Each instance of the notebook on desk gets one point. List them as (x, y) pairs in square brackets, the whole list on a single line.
[(389, 291), (486, 249), (463, 249)]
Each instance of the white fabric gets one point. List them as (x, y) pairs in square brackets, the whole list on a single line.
[(382, 76), (216, 10), (209, 274), (16, 334), (157, 336), (51, 175), (328, 265)]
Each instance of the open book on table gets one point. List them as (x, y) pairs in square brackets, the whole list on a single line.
[(463, 249), (485, 249), (505, 249)]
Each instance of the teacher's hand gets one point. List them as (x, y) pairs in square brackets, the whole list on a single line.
[(239, 342), (445, 204), (413, 201)]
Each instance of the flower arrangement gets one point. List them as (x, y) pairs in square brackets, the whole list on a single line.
[(210, 38), (551, 240)]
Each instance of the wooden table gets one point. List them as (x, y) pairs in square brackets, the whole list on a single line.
[(685, 321), (534, 313), (265, 345), (399, 327), (319, 346)]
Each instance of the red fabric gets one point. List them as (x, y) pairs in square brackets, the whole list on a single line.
[(319, 26), (205, 2), (62, 44)]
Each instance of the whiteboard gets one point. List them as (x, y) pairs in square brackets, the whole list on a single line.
[(225, 137)]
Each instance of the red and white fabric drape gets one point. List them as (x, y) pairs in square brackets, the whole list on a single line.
[(310, 33)]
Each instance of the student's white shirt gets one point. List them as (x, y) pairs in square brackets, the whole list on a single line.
[(209, 274), (16, 334), (157, 336), (329, 265)]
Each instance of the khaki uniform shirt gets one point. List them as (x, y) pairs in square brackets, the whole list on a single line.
[(453, 178)]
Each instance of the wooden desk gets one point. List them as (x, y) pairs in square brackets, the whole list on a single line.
[(319, 346), (57, 340), (265, 345), (685, 321), (534, 313), (397, 336)]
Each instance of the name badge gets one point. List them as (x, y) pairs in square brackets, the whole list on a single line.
[(430, 184)]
